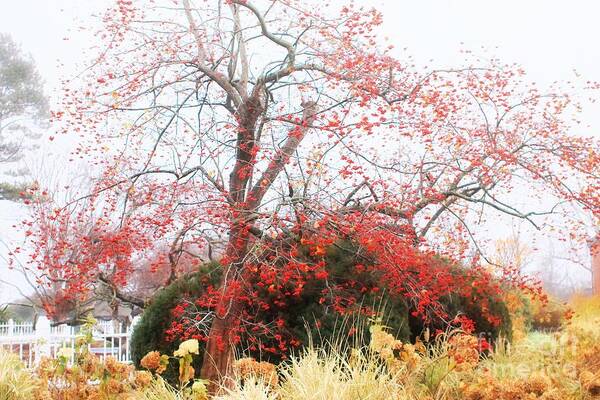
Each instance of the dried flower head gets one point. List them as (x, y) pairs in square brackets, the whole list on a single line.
[(190, 346), (65, 352), (142, 379), (249, 367), (464, 350), (153, 361)]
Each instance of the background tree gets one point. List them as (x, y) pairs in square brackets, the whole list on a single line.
[(512, 251), (117, 265), (23, 107), (266, 124), (4, 314)]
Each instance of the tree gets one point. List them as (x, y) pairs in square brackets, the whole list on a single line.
[(84, 256), (79, 259), (512, 252), (22, 100), (23, 106), (267, 125)]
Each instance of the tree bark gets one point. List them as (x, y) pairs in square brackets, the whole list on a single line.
[(219, 352)]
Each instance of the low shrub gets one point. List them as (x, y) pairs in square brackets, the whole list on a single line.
[(304, 318), (548, 316), (150, 332), (520, 311)]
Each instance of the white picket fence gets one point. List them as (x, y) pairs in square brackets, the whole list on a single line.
[(31, 344)]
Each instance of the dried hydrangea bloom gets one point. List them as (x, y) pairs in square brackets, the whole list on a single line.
[(381, 340), (152, 362), (190, 346), (249, 367), (65, 352), (464, 350), (142, 379)]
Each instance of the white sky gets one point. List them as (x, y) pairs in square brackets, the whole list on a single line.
[(549, 38)]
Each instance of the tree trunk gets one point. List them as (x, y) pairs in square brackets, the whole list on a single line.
[(219, 352)]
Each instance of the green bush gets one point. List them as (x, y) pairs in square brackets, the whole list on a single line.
[(472, 308), (309, 321), (149, 332), (304, 317)]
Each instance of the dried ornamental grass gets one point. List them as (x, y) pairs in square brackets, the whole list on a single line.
[(16, 383), (250, 388)]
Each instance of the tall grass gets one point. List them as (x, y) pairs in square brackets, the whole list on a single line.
[(249, 389), (16, 383), (320, 374)]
